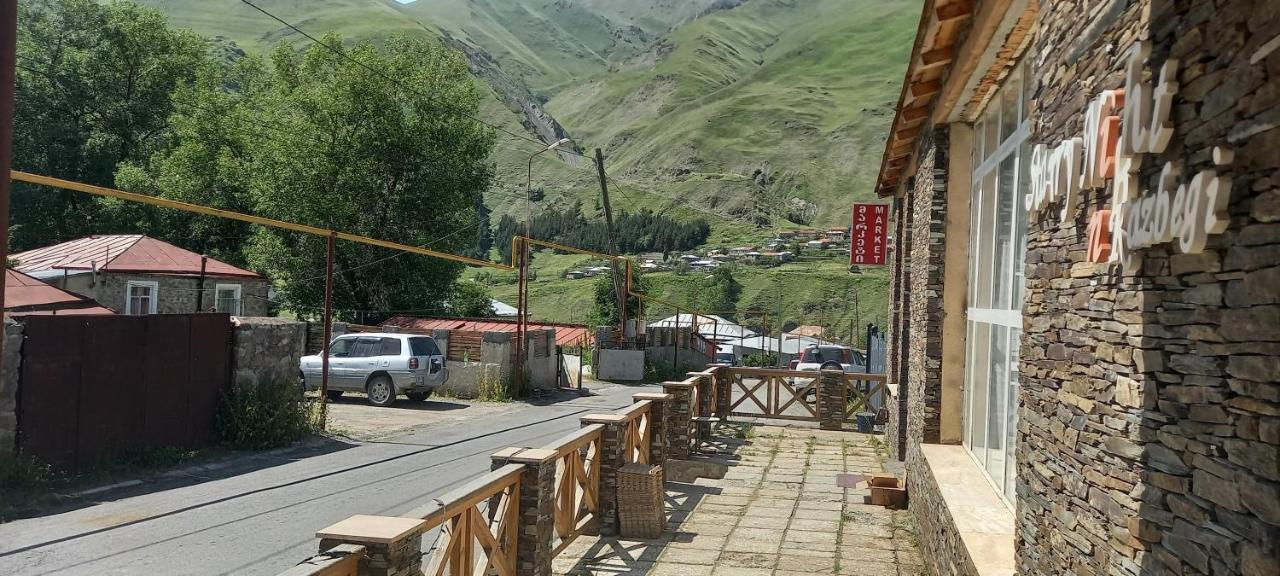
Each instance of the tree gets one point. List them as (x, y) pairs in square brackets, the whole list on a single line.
[(470, 300), (93, 89), (313, 137), (604, 309), (722, 291)]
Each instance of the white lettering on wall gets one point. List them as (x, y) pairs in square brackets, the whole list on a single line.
[(1112, 147)]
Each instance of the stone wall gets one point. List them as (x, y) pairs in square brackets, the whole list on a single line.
[(924, 298), (895, 434), (178, 294), (9, 386), (940, 541), (266, 348), (1149, 429)]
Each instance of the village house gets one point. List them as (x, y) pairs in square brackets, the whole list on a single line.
[(816, 244), (26, 296), (1084, 295), (838, 235), (135, 274)]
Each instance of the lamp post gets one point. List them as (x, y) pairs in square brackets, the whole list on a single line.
[(522, 302)]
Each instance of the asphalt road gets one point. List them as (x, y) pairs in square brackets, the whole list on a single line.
[(261, 518)]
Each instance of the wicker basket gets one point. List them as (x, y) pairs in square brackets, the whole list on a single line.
[(641, 511)]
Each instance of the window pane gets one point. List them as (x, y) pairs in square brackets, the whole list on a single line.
[(423, 347), (1020, 236), (984, 246), (992, 126), (366, 347), (390, 347), (968, 379), (997, 403), (1002, 269), (975, 216), (1010, 470), (979, 374), (340, 347), (1009, 95)]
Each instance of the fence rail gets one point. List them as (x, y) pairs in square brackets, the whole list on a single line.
[(479, 526), (792, 394), (577, 485), (637, 433)]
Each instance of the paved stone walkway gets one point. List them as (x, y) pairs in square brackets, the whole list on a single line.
[(776, 512)]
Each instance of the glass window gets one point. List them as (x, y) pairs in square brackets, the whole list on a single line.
[(140, 297), (390, 347), (366, 347), (227, 299), (424, 347), (996, 277), (341, 348)]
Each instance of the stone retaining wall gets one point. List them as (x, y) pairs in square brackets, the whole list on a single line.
[(9, 386), (266, 348), (940, 542)]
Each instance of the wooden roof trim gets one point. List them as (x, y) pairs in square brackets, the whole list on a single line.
[(986, 22), (1015, 43), (931, 56)]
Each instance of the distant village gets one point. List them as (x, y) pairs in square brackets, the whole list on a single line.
[(783, 248)]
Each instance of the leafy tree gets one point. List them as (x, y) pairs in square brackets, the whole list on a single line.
[(470, 300), (722, 290), (604, 309), (315, 138), (93, 89)]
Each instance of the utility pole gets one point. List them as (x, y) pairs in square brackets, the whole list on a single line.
[(618, 287), (328, 329), (8, 87), (856, 319)]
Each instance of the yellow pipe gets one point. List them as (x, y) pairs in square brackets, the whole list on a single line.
[(186, 207)]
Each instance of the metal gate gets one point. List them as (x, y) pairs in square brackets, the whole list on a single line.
[(96, 385)]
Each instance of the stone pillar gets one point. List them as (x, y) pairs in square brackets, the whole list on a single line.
[(611, 459), (724, 390), (537, 507), (393, 546), (658, 444), (706, 403), (678, 414), (831, 400)]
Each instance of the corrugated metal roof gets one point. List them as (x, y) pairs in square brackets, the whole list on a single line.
[(26, 295), (123, 253), (566, 334)]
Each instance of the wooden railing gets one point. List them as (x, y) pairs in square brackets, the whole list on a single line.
[(479, 526), (792, 394), (577, 486), (637, 432)]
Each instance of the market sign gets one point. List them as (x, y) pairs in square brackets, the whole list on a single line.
[(1120, 126), (870, 234)]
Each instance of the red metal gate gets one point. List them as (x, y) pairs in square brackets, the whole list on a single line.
[(96, 385)]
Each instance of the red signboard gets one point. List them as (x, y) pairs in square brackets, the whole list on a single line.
[(870, 242)]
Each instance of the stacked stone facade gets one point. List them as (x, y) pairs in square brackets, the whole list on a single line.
[(1150, 441), (924, 360), (899, 332), (177, 294)]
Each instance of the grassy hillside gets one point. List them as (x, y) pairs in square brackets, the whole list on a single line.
[(802, 92)]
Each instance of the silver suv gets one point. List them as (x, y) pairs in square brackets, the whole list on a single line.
[(380, 365)]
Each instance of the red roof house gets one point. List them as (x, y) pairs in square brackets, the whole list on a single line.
[(566, 334), (24, 295), (136, 274)]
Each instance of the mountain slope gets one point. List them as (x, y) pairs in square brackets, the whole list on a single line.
[(775, 106)]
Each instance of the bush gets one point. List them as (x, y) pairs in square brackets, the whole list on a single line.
[(761, 360), (496, 386), (21, 472), (266, 414)]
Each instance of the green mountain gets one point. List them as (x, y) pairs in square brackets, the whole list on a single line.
[(754, 114)]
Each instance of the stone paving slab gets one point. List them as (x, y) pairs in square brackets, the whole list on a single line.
[(777, 511)]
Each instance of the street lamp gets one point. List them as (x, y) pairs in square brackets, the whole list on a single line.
[(528, 183), (522, 314)]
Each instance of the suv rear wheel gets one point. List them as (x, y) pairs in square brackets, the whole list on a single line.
[(381, 391)]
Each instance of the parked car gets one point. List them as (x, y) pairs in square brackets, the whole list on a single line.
[(813, 357), (380, 365)]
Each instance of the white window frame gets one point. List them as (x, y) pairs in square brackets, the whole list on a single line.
[(986, 164), (238, 288), (153, 297)]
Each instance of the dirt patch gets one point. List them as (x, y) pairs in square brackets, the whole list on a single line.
[(352, 415)]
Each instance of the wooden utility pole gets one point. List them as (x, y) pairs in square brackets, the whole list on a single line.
[(619, 287), (8, 87), (328, 329)]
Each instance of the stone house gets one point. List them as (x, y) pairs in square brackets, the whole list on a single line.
[(1084, 301), (135, 274)]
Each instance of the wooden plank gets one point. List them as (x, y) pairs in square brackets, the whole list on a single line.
[(469, 494)]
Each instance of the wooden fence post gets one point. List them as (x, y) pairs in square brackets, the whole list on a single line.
[(831, 400), (659, 441), (537, 507), (612, 444), (679, 411)]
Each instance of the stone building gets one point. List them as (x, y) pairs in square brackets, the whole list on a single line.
[(1086, 286), (134, 274)]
